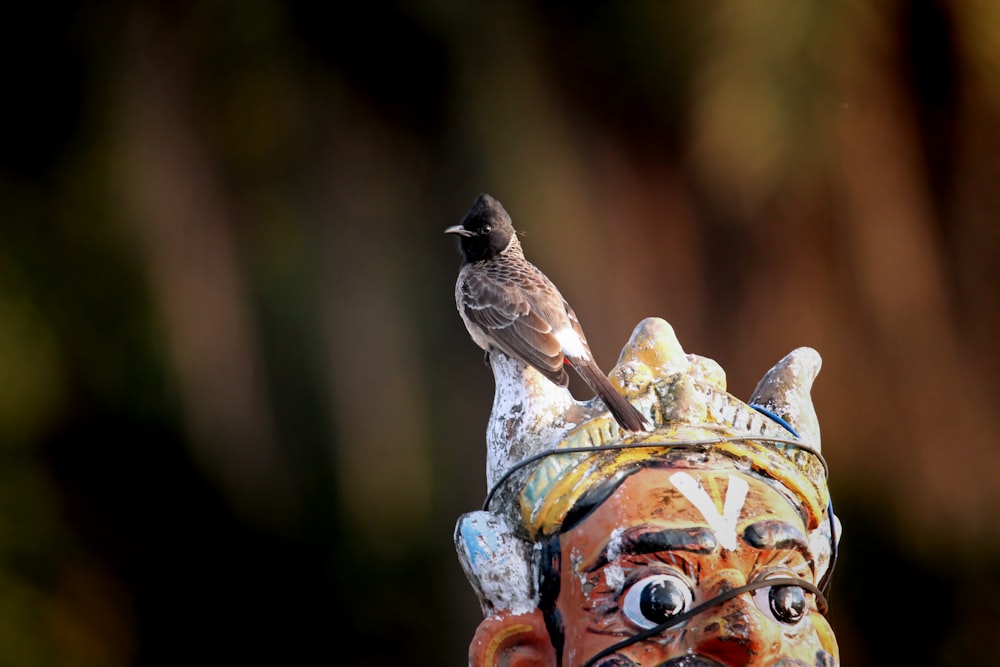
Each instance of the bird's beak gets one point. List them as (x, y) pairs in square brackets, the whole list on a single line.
[(458, 229)]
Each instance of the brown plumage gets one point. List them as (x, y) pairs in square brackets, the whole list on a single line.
[(509, 305)]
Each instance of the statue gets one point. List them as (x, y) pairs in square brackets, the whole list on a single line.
[(707, 540)]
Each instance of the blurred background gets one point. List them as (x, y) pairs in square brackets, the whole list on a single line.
[(239, 414)]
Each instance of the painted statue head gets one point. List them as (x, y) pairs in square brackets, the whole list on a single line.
[(708, 541)]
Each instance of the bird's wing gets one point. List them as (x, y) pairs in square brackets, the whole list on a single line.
[(512, 320)]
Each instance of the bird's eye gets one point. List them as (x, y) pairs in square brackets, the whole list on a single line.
[(784, 604), (487, 229), (656, 599)]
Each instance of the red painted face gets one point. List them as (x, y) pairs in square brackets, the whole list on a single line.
[(668, 540)]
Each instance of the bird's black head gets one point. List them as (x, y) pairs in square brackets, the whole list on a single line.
[(486, 230)]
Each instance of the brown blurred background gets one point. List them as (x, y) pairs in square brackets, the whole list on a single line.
[(239, 414)]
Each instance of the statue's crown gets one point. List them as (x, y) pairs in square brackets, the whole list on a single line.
[(545, 450)]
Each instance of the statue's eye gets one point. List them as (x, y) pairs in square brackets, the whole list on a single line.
[(784, 604), (656, 599)]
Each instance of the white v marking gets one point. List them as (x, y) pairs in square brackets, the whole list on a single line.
[(724, 525)]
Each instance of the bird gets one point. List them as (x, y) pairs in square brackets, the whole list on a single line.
[(508, 304)]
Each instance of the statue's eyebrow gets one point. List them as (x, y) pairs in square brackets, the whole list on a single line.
[(773, 534), (645, 539)]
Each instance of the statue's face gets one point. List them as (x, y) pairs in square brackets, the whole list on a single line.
[(670, 539)]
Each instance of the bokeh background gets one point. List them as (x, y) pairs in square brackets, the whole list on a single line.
[(239, 415)]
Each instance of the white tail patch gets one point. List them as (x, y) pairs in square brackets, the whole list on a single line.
[(724, 524), (570, 342)]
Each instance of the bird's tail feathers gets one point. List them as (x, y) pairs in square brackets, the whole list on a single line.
[(626, 414)]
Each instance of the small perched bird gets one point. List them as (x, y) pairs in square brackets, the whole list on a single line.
[(508, 304)]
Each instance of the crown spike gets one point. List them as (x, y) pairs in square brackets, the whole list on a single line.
[(529, 411), (785, 391)]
